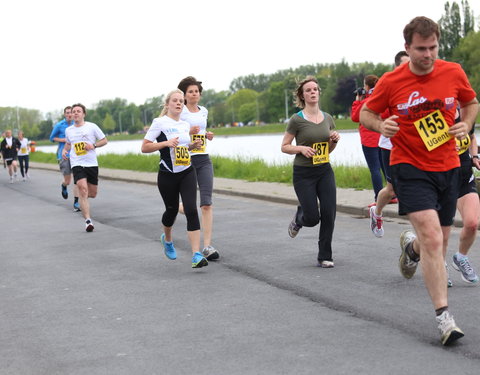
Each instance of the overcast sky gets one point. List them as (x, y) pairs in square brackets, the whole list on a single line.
[(59, 52)]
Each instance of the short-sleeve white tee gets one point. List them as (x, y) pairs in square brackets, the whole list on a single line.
[(163, 129), (23, 147), (196, 118), (78, 136)]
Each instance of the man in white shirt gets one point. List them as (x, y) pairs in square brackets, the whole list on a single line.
[(81, 141)]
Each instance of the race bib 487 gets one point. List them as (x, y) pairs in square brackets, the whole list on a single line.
[(322, 154)]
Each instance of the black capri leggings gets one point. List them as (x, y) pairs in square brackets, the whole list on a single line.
[(170, 186)]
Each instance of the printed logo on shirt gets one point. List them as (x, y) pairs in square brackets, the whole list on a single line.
[(449, 103), (413, 100)]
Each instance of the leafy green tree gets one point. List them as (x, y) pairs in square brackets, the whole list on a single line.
[(274, 102), (217, 115), (108, 124), (253, 82), (151, 109), (468, 55), (45, 128), (452, 29), (32, 132), (235, 101), (247, 112)]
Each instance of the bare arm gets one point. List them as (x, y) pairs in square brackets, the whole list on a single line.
[(66, 150), (468, 114), (332, 142), (473, 150), (372, 120), (99, 143), (288, 148)]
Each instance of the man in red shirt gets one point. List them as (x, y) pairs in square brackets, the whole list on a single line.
[(422, 97)]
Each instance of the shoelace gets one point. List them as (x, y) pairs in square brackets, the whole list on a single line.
[(465, 264), (446, 323), (379, 222), (410, 262)]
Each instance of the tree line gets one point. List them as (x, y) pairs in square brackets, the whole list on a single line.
[(267, 98)]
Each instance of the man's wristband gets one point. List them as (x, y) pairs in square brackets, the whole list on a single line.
[(94, 145), (475, 157)]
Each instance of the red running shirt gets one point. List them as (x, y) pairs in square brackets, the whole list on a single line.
[(412, 97)]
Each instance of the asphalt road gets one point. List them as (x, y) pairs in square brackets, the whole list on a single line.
[(109, 302)]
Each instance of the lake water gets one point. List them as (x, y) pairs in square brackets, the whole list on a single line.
[(265, 147)]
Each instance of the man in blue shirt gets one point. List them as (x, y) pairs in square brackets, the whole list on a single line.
[(58, 135)]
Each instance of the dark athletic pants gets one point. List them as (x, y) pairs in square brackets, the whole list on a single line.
[(23, 160), (170, 186), (313, 185)]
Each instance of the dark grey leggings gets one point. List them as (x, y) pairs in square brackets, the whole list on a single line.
[(170, 186), (204, 168), (313, 185)]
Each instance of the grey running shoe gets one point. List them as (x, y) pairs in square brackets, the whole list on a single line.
[(293, 228), (406, 264), (462, 265), (210, 253), (376, 223), (449, 281), (448, 329)]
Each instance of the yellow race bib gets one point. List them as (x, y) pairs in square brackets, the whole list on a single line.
[(322, 153), (23, 150), (463, 145), (80, 148), (204, 142), (433, 129), (182, 156)]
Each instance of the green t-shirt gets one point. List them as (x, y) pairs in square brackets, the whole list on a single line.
[(307, 133)]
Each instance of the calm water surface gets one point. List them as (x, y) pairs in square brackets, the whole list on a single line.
[(265, 147)]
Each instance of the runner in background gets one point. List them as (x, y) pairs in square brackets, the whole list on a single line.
[(196, 115), (386, 195), (468, 205), (9, 148), (58, 135), (81, 140), (23, 155)]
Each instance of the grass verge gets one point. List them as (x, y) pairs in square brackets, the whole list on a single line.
[(250, 170)]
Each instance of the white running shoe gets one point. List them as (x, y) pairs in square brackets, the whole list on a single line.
[(376, 223), (448, 329)]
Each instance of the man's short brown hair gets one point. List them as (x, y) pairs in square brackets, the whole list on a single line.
[(420, 25)]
